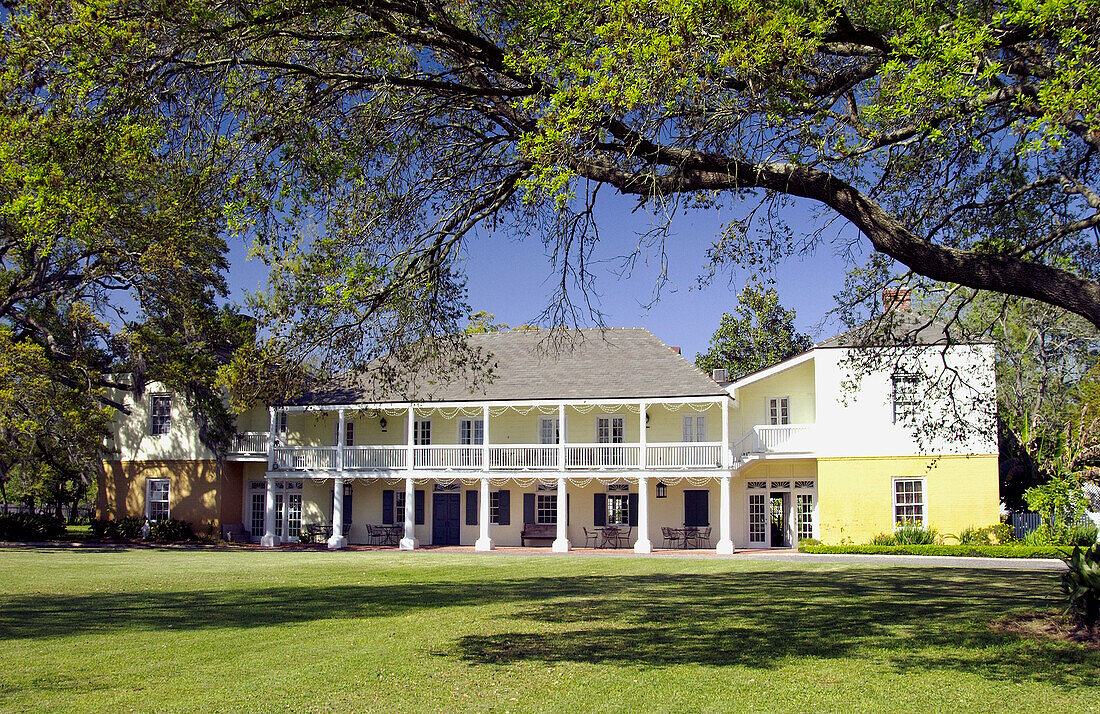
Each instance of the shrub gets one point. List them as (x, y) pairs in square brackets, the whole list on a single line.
[(1003, 533), (809, 541), (1081, 584), (127, 528), (883, 539), (963, 551), (1082, 534), (171, 531), (975, 536), (30, 526), (1039, 537), (914, 534)]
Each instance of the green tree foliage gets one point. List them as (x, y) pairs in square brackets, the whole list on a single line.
[(481, 322), (361, 144), (759, 333)]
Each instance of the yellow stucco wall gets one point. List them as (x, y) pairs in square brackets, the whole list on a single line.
[(855, 495), (198, 490)]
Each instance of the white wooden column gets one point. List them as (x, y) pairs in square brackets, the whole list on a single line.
[(642, 437), (725, 544), (485, 438), (271, 439), (725, 433), (409, 441), (269, 539), (561, 543), (409, 542), (337, 540), (643, 544), (484, 542), (341, 427), (561, 437)]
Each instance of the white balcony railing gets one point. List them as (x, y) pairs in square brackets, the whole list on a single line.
[(602, 456), (777, 439), (686, 455), (524, 456), (374, 457), (250, 443), (448, 457), (297, 458)]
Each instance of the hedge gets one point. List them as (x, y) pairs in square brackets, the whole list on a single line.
[(962, 551), (30, 527)]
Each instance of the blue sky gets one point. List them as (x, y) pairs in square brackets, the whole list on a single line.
[(513, 279)]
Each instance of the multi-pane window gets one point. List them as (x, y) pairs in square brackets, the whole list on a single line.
[(160, 414), (422, 432), (906, 396), (909, 501), (156, 500), (695, 428), (804, 514), (494, 507), (471, 431), (779, 410), (758, 519), (549, 433), (546, 508), (280, 504), (399, 507), (609, 430), (258, 500), (618, 509), (349, 433), (280, 423)]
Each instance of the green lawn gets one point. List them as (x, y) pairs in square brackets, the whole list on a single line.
[(145, 630)]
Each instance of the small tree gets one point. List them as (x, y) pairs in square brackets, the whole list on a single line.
[(761, 333)]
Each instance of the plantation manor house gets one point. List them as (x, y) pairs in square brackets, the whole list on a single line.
[(618, 429)]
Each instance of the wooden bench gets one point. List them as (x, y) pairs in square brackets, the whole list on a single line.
[(538, 531)]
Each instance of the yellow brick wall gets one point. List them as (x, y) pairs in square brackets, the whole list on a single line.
[(855, 495), (200, 492)]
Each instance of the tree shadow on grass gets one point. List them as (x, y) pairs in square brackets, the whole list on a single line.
[(914, 618)]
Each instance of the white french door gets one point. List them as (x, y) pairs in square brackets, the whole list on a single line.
[(288, 510)]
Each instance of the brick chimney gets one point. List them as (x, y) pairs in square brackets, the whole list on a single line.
[(896, 299), (675, 349)]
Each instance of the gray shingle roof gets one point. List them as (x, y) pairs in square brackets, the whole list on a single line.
[(597, 363), (896, 328)]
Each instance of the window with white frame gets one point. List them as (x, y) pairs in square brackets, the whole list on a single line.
[(695, 428), (258, 502), (546, 508), (609, 430), (549, 432), (156, 499), (779, 410), (471, 431), (804, 515), (422, 432), (399, 507), (160, 414), (906, 395), (349, 433), (618, 509), (280, 423), (758, 517), (909, 501), (494, 507)]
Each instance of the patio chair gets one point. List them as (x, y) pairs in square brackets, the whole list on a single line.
[(593, 537), (703, 538), (622, 538), (671, 535), (691, 536), (610, 537)]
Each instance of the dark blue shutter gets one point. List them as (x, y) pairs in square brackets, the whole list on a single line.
[(528, 508), (632, 510), (504, 508), (419, 507), (471, 508), (387, 507), (599, 509), (347, 505)]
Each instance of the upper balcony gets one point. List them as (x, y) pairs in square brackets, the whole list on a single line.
[(773, 440)]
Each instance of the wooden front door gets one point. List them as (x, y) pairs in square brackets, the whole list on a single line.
[(445, 518)]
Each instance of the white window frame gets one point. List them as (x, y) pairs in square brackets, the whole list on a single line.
[(475, 432), (167, 501), (611, 419), (422, 428), (778, 411), (906, 407), (541, 432), (280, 423), (546, 507), (494, 508), (398, 506), (160, 424), (922, 504), (349, 433), (693, 427), (618, 509)]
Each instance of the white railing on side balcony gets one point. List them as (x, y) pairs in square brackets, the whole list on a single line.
[(447, 457), (601, 456), (250, 442), (374, 457), (524, 456), (777, 439), (305, 457), (681, 456)]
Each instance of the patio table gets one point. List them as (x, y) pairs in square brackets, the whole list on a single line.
[(390, 533), (609, 536)]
